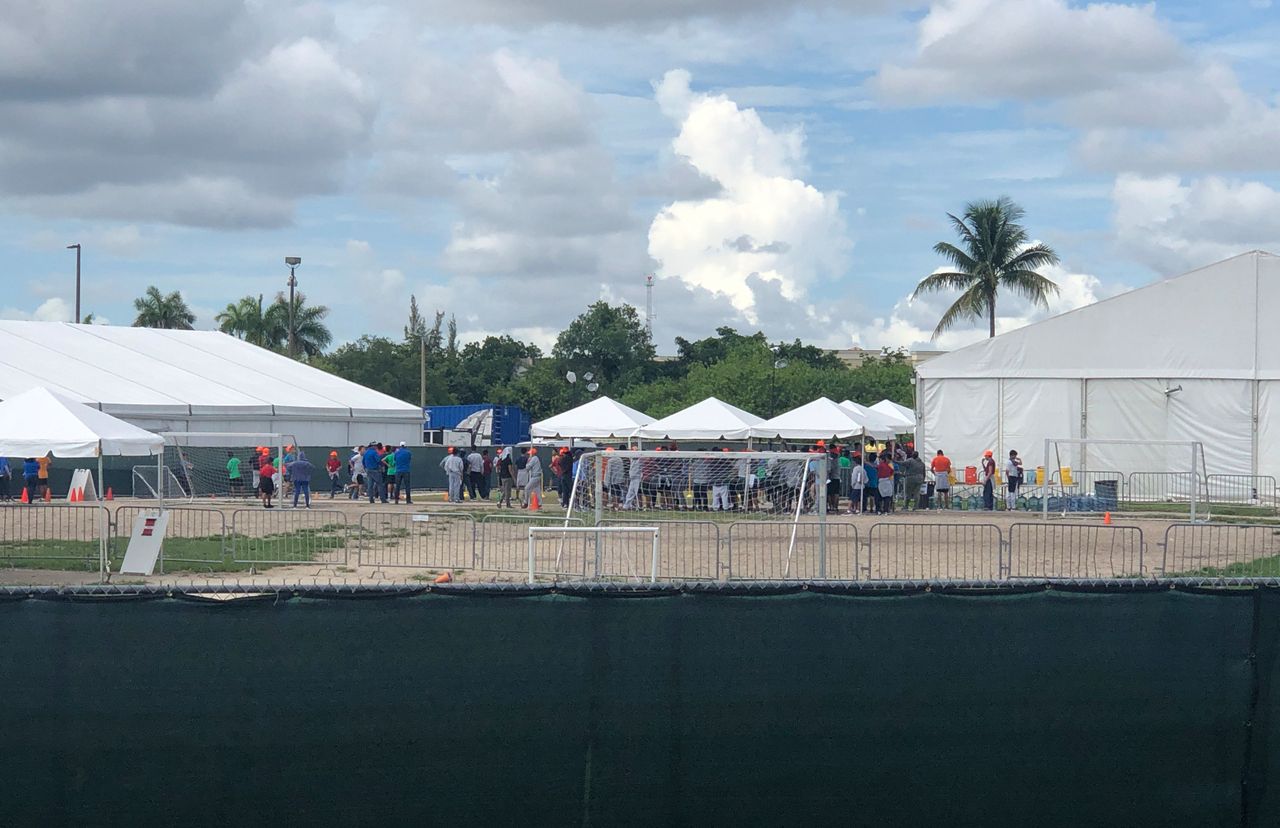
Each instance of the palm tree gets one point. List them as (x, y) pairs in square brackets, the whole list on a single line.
[(156, 310), (247, 319), (993, 255), (308, 324)]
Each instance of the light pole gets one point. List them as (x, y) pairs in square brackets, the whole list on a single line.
[(292, 262), (77, 249)]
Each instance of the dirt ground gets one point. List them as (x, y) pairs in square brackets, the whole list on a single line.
[(344, 541)]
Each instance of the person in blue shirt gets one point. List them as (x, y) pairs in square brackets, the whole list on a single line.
[(373, 473), (6, 473), (403, 458), (31, 476), (870, 494)]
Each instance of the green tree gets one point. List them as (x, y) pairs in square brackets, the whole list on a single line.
[(249, 320), (386, 366), (311, 333), (159, 310), (993, 255), (484, 367), (610, 341)]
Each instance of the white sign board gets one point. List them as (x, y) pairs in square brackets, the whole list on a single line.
[(82, 480), (144, 543)]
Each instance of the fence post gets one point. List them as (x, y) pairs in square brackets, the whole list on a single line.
[(821, 497), (653, 570), (531, 547)]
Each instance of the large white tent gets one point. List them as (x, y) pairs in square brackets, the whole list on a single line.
[(1194, 357), (601, 419), (711, 419), (163, 380), (821, 419)]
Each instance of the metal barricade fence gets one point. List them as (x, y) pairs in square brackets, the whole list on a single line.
[(1220, 551), (418, 540), (601, 553), (288, 536), (1162, 487), (1243, 490), (688, 549), (193, 536), (1058, 550), (52, 536), (783, 550), (502, 542), (935, 551)]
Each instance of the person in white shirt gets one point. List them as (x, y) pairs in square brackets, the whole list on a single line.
[(633, 483), (355, 470), (1013, 479), (857, 485)]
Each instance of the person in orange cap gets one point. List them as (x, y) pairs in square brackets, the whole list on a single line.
[(333, 466), (453, 471), (533, 474), (988, 480)]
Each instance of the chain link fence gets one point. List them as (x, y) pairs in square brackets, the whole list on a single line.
[(196, 537)]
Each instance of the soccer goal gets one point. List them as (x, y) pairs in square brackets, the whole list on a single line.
[(1106, 475), (673, 484), (220, 465)]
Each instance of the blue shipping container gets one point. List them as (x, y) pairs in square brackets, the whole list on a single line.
[(510, 422)]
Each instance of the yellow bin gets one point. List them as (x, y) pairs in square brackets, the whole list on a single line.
[(1065, 473), (1039, 478)]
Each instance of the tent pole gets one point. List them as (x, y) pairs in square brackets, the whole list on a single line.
[(102, 522), (160, 477)]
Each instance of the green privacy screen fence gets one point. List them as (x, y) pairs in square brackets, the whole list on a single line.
[(698, 707)]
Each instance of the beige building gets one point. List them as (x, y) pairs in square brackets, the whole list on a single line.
[(853, 357)]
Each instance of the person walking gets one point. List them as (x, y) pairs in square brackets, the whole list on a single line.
[(506, 477), (6, 475), (1013, 479), (533, 469), (454, 468), (635, 471), (300, 471), (913, 472), (373, 474), (404, 463), (475, 470), (988, 481), (486, 475), (941, 467), (885, 483), (266, 481), (355, 470), (333, 466), (522, 476)]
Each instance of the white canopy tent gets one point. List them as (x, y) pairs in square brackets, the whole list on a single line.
[(878, 425), (821, 419), (711, 419), (903, 416), (601, 419), (40, 422)]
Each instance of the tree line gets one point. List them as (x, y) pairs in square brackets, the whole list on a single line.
[(607, 350)]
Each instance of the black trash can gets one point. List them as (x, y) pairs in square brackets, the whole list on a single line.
[(1108, 494)]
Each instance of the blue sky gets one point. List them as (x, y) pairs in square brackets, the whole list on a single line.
[(784, 166)]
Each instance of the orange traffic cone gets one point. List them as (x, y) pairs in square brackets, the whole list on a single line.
[(26, 498), (444, 578), (1106, 518), (109, 495), (48, 495), (73, 498), (534, 503)]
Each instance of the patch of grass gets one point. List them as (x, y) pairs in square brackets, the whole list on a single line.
[(1268, 567)]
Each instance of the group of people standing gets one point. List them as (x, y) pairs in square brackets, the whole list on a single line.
[(35, 478), (468, 474), (380, 472)]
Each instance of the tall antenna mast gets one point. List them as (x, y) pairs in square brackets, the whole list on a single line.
[(648, 306)]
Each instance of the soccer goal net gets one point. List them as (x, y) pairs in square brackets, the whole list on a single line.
[(777, 484), (1105, 475), (215, 465)]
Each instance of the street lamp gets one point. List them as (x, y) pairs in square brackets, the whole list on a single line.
[(292, 262), (77, 249)]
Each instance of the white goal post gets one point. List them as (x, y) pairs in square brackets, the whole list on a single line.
[(199, 463), (1152, 471)]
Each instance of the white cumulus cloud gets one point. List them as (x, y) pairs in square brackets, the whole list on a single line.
[(764, 222)]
